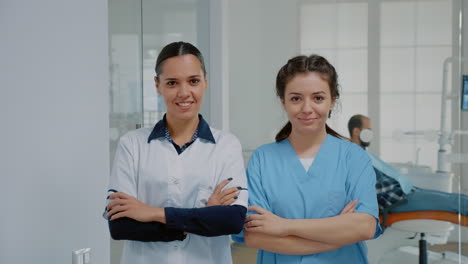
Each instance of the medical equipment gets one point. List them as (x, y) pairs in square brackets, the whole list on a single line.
[(425, 222), (464, 96), (445, 137)]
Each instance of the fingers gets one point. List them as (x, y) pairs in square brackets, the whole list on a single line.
[(229, 191), (350, 207), (257, 209), (253, 217), (220, 186), (117, 216), (119, 195), (254, 226), (229, 202), (254, 229), (224, 200), (253, 223), (118, 209), (115, 202)]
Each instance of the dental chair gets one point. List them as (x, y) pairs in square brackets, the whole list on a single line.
[(437, 223), (429, 224)]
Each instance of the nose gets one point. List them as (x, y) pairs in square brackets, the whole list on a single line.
[(307, 106), (183, 91)]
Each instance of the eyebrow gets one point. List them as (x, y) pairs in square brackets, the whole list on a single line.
[(174, 79), (195, 76), (294, 93)]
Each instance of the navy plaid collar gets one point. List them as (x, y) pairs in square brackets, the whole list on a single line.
[(203, 131)]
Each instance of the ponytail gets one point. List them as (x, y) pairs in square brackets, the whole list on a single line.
[(333, 132), (284, 132)]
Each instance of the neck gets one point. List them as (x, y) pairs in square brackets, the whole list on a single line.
[(307, 145), (355, 139), (181, 131)]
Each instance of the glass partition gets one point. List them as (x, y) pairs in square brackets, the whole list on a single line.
[(138, 30), (126, 94), (125, 67), (164, 22)]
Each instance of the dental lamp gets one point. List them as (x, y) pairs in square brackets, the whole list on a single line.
[(445, 137)]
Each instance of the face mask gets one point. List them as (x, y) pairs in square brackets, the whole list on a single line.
[(365, 137)]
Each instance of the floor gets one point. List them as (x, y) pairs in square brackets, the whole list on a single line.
[(452, 247), (243, 255)]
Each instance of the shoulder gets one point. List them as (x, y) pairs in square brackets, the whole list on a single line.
[(262, 157), (347, 147), (271, 147), (349, 152), (269, 151)]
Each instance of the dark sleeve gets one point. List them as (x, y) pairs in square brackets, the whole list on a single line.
[(207, 221), (130, 229)]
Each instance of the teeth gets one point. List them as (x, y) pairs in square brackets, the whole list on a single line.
[(184, 104)]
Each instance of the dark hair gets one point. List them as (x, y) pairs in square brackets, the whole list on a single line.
[(300, 65), (355, 122), (177, 49)]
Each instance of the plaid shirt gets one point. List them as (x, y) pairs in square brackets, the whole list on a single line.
[(389, 191), (178, 148)]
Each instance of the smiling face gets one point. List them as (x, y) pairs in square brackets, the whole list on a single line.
[(182, 84), (307, 101)]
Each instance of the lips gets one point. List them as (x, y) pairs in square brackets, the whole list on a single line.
[(307, 120), (184, 105)]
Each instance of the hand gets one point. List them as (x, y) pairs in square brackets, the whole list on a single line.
[(223, 197), (265, 222), (350, 207), (124, 205)]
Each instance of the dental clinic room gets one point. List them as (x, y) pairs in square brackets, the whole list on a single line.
[(234, 131)]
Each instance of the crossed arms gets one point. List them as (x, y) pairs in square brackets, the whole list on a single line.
[(270, 232), (131, 219)]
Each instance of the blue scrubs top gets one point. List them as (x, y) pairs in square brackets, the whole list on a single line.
[(340, 173)]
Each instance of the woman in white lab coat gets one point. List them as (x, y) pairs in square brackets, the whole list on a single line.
[(169, 199)]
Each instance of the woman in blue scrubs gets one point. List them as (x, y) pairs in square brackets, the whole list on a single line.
[(299, 185)]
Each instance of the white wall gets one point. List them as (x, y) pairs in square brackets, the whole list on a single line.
[(54, 154), (263, 35)]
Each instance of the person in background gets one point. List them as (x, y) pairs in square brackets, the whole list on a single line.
[(360, 130), (395, 192), (177, 190), (302, 185)]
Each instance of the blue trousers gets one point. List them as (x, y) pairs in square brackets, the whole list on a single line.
[(432, 200)]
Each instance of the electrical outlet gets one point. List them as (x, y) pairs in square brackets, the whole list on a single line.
[(81, 256)]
